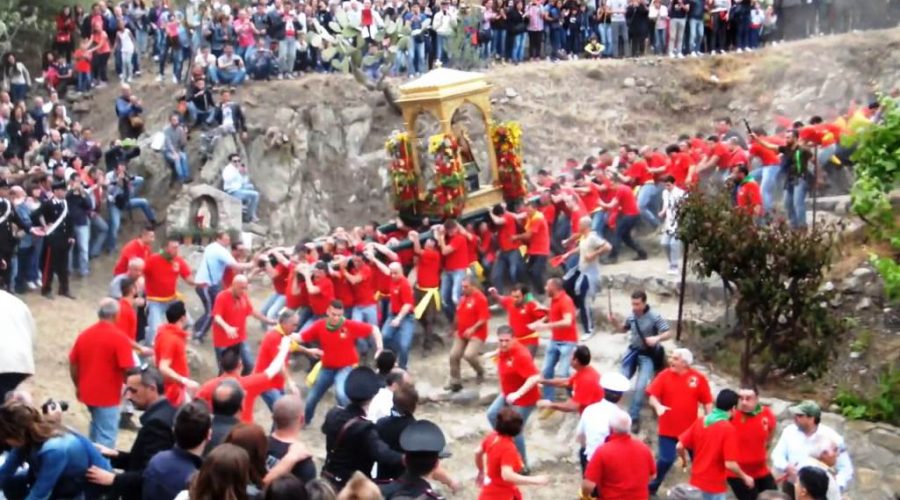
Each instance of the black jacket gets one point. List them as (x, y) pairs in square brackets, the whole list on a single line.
[(389, 429), (79, 208), (221, 426), (237, 114), (353, 446), (50, 210), (408, 487), (8, 239), (155, 436)]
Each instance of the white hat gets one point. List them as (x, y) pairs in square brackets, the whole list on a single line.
[(615, 381)]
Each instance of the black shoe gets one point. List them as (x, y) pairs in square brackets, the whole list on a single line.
[(67, 295), (641, 256), (47, 295), (453, 387), (635, 427)]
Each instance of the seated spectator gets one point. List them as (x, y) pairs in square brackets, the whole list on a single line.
[(236, 182), (200, 104), (58, 75), (120, 196), (175, 150), (230, 68), (169, 472), (230, 116), (205, 63), (261, 63), (128, 110)]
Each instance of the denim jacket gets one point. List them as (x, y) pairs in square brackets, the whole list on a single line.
[(57, 468), (25, 215)]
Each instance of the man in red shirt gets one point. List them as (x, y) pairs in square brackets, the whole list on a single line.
[(754, 426), (508, 265), (400, 325), (281, 383), (127, 319), (521, 311), (277, 265), (675, 394), (620, 468), (471, 331), (519, 378), (714, 445), (537, 236), (337, 337), (428, 288), (161, 273), (170, 351), (563, 337), (320, 290), (97, 364), (748, 196), (454, 247), (768, 171), (624, 216), (584, 384), (230, 312), (139, 247)]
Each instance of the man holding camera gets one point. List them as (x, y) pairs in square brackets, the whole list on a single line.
[(236, 182)]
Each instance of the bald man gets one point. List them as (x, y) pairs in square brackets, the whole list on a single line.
[(287, 422), (230, 312)]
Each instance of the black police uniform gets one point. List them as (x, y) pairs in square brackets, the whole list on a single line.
[(418, 438), (9, 224), (408, 487), (351, 441), (55, 252)]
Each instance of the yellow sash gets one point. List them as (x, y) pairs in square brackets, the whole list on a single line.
[(430, 294), (313, 374), (170, 298)]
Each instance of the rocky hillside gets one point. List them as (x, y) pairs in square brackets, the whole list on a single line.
[(315, 146)]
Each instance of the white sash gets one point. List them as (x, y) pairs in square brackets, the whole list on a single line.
[(8, 212), (59, 220)]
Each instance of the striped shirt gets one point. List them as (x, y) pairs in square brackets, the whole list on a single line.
[(650, 324)]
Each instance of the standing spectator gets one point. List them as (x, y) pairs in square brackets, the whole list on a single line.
[(15, 78), (757, 21), (678, 13), (28, 252), (10, 223), (637, 16), (168, 472), (230, 312), (622, 467), (54, 224), (719, 18), (671, 196), (125, 45), (79, 204), (83, 66), (100, 49), (516, 26), (230, 68), (535, 16), (619, 28), (444, 23), (696, 27), (128, 110), (175, 150), (63, 40), (97, 364), (236, 182), (472, 317), (659, 16)]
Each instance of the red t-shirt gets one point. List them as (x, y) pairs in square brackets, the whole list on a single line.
[(832, 134), (679, 168), (766, 156), (522, 316), (712, 447), (382, 282), (753, 433), (639, 173), (338, 346), (472, 243), (486, 246), (235, 311), (161, 276), (319, 302), (499, 451), (591, 199), (228, 277), (549, 211), (428, 271), (280, 280), (103, 355), (268, 349), (364, 291), (749, 196), (507, 230), (721, 150), (132, 249), (539, 241), (471, 309), (171, 344), (401, 294), (560, 306), (681, 392), (575, 216), (343, 291), (458, 259), (814, 133), (627, 201), (253, 385), (738, 157), (127, 319), (586, 390), (300, 298), (514, 367), (621, 468)]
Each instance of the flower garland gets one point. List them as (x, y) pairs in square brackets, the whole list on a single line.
[(448, 197), (507, 139), (406, 186)]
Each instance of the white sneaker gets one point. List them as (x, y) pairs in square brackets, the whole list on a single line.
[(681, 56), (740, 50), (671, 55), (674, 271), (159, 78), (121, 77), (175, 79), (33, 285)]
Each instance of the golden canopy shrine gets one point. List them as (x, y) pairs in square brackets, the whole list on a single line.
[(444, 163)]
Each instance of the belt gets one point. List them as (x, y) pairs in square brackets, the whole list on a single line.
[(170, 298)]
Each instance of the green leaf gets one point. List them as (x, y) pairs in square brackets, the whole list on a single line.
[(315, 40), (390, 27), (342, 18), (403, 44), (349, 32), (369, 60), (329, 53), (335, 27)]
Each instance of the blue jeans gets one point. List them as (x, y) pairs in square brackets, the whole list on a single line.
[(369, 315), (400, 338), (524, 411), (179, 164), (198, 117), (440, 51), (518, 47), (80, 249), (713, 496), (250, 197), (207, 296), (659, 41), (643, 365), (604, 35), (99, 230), (664, 460), (271, 397), (327, 378), (246, 357), (537, 267), (287, 54), (451, 291), (18, 92), (618, 31), (556, 364), (83, 82), (507, 269), (499, 43), (648, 196), (696, 28), (598, 222), (768, 186), (673, 248), (233, 77), (156, 316), (416, 61), (272, 306), (795, 203), (115, 218), (556, 41), (104, 428), (26, 267)]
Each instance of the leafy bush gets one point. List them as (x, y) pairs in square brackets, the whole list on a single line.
[(882, 406)]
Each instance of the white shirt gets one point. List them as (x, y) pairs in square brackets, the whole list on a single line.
[(834, 492), (793, 449), (590, 243), (381, 405), (594, 425), (17, 336), (232, 180), (670, 200)]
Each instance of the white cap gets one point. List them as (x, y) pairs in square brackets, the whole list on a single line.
[(615, 381)]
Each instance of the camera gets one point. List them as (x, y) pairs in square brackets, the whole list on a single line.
[(50, 404)]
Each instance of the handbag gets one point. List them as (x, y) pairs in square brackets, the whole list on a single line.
[(656, 353)]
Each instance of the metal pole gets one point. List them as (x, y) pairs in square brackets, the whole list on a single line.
[(684, 264)]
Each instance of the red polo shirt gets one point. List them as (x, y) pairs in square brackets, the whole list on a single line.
[(171, 344), (520, 317), (721, 150), (401, 294), (268, 349), (343, 291), (514, 367), (627, 201), (132, 249), (639, 173), (300, 298), (253, 385), (712, 447), (507, 230), (319, 302), (235, 311), (161, 276), (766, 156), (749, 196), (560, 306), (753, 433), (621, 468), (458, 259), (539, 241), (586, 390), (428, 270), (500, 451), (339, 345), (280, 280), (364, 291), (103, 355), (681, 392), (127, 319), (471, 309)]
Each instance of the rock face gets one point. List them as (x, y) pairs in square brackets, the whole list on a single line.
[(217, 210)]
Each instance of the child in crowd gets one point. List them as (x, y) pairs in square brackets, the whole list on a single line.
[(83, 66), (594, 49)]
